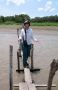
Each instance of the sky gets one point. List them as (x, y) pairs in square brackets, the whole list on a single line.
[(33, 8)]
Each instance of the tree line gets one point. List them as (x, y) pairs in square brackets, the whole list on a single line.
[(22, 17)]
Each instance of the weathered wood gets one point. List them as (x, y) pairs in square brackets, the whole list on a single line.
[(10, 69), (44, 85), (18, 32), (28, 79), (15, 85), (32, 87), (18, 61), (53, 69), (32, 56), (23, 86), (27, 74), (37, 85)]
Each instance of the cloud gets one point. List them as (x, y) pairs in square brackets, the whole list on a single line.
[(40, 9), (39, 0), (17, 2), (22, 12), (53, 9), (48, 7)]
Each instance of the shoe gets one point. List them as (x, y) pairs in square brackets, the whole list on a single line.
[(26, 65), (20, 55)]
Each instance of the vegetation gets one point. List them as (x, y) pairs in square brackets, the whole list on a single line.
[(45, 24), (37, 21)]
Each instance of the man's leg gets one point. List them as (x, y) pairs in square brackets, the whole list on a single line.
[(28, 51), (24, 56)]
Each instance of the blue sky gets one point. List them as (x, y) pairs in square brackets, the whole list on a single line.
[(34, 8)]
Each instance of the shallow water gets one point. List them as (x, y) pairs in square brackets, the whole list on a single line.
[(44, 52)]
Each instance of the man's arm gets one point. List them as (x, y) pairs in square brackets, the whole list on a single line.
[(20, 39), (33, 37), (20, 36)]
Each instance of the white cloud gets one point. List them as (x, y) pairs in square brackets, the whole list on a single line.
[(40, 9), (53, 9), (22, 12), (48, 7), (48, 4), (39, 0), (17, 2)]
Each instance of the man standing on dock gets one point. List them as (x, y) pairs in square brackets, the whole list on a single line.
[(26, 38)]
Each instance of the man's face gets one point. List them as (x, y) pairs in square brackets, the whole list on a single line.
[(26, 26)]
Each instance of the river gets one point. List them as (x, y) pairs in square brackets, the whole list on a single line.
[(45, 50)]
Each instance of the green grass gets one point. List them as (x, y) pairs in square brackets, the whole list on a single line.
[(15, 25), (45, 24)]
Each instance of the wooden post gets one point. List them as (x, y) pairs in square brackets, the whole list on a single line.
[(18, 60), (32, 56), (18, 32), (53, 69), (10, 69)]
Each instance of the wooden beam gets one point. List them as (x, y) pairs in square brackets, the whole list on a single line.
[(44, 85), (23, 86), (11, 68), (37, 85), (27, 73), (18, 60), (32, 87), (32, 50), (15, 85), (18, 32)]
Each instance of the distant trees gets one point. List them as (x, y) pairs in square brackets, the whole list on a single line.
[(1, 19), (15, 19), (45, 19), (20, 19)]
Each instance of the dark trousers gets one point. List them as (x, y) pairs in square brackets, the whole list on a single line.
[(26, 53)]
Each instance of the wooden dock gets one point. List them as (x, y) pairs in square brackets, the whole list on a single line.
[(27, 84)]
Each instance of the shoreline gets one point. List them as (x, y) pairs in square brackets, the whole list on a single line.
[(7, 28)]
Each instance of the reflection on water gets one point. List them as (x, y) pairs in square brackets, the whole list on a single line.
[(44, 52)]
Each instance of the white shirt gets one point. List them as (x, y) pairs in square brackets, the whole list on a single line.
[(29, 34)]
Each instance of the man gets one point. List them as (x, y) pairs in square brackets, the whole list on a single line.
[(26, 40)]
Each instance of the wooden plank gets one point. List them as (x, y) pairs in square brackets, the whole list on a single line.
[(15, 85), (44, 85), (23, 86), (27, 73), (37, 85), (32, 87)]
